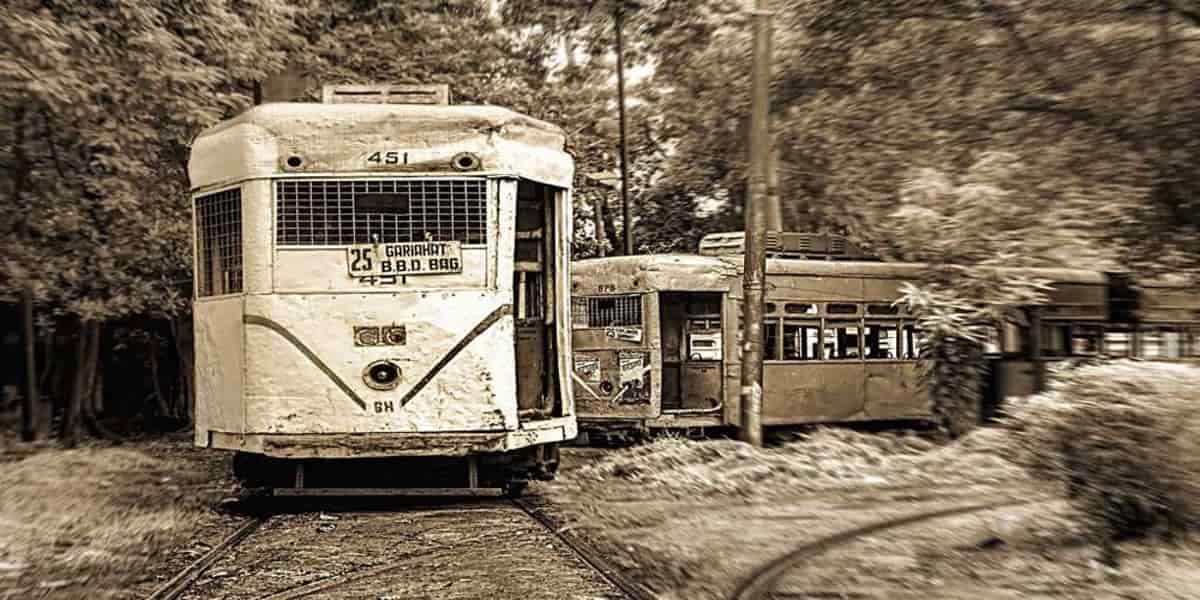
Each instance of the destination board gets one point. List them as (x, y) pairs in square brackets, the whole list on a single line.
[(404, 258)]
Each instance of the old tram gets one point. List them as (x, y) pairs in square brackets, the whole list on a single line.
[(656, 337), (382, 282)]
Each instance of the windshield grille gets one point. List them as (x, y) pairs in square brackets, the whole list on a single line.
[(330, 212)]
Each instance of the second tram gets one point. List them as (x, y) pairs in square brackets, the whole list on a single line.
[(656, 338)]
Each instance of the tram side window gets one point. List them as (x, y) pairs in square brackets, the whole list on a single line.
[(912, 340), (992, 344), (1118, 343), (771, 339), (1192, 347), (1173, 341), (1054, 340), (614, 311), (882, 341), (1160, 343), (1085, 340), (800, 341), (841, 340)]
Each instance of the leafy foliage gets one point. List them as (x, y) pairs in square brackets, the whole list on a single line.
[(1122, 437), (101, 101)]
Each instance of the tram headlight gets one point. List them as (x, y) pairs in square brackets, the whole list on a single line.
[(382, 375), (466, 161), (606, 387)]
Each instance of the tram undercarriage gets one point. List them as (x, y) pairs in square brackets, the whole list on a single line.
[(491, 474)]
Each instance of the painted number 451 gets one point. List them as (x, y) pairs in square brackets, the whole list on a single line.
[(388, 158)]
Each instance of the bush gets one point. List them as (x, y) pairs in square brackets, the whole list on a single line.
[(1124, 439)]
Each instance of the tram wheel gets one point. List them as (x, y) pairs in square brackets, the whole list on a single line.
[(513, 488)]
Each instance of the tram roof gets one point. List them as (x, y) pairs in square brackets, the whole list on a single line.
[(338, 139), (694, 272)]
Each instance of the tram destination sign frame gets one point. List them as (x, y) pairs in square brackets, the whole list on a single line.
[(404, 259)]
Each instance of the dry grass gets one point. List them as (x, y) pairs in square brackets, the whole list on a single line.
[(826, 460), (75, 522)]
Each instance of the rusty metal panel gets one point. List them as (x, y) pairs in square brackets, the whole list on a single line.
[(892, 390), (654, 272), (815, 288), (1013, 378), (306, 375), (700, 385), (1163, 302), (795, 393), (312, 138), (219, 375), (366, 445), (614, 383), (601, 387)]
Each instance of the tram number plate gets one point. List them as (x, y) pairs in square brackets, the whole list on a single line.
[(404, 258)]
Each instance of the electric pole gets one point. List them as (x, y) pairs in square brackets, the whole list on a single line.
[(754, 280), (620, 14)]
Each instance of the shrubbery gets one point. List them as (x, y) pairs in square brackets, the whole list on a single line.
[(1124, 440)]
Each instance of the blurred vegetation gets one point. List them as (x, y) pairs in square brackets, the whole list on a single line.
[(1124, 439), (959, 133)]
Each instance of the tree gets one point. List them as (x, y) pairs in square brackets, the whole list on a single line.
[(101, 101)]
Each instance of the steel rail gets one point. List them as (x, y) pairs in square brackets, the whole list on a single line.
[(588, 554), (181, 581), (760, 583)]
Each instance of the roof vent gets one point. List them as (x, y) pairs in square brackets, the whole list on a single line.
[(437, 93), (784, 244)]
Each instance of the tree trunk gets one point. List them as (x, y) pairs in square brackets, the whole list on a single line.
[(92, 377), (610, 228), (29, 344), (160, 401), (186, 365), (71, 416)]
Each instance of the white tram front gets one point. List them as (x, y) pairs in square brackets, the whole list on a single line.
[(380, 280)]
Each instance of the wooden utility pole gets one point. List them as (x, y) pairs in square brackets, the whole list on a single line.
[(754, 281), (620, 13), (774, 210), (30, 398)]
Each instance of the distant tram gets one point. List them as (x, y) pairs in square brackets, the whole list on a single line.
[(656, 337), (382, 281)]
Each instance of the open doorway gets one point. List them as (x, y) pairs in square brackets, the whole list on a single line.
[(693, 350), (534, 302)]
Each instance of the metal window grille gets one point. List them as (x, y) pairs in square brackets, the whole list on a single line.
[(219, 243), (334, 212), (614, 311)]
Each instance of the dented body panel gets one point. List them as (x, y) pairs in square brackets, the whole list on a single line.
[(299, 356)]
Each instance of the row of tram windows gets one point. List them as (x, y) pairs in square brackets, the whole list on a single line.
[(829, 339), (1065, 340)]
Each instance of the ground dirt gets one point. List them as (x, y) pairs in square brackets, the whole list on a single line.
[(687, 519), (117, 522), (693, 519)]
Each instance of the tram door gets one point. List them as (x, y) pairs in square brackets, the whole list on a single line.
[(692, 350), (533, 292)]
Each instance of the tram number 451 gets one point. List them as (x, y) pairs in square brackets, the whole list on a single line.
[(388, 158)]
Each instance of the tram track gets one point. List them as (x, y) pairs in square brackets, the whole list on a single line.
[(588, 553), (180, 583), (184, 583), (760, 585)]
